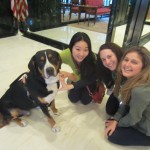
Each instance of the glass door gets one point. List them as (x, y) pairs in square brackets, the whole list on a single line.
[(129, 21)]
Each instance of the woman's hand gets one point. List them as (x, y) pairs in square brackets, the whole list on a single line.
[(64, 85), (110, 126), (70, 76), (64, 74)]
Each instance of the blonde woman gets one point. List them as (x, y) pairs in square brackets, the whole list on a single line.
[(130, 126)]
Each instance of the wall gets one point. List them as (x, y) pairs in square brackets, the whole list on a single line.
[(8, 25), (43, 14)]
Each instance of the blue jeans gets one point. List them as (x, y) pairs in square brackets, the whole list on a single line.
[(129, 136), (81, 95)]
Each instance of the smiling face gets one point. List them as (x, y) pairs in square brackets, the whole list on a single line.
[(109, 59), (131, 64), (80, 51)]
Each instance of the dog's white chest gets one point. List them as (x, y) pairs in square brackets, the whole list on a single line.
[(54, 88)]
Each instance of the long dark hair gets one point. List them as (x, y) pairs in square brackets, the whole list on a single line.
[(104, 73), (88, 65)]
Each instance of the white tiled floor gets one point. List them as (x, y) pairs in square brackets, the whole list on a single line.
[(66, 32), (82, 127), (97, 39)]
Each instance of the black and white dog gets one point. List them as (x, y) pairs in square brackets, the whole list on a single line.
[(38, 88)]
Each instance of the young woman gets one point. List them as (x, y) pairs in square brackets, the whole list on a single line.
[(130, 125), (82, 60), (109, 56)]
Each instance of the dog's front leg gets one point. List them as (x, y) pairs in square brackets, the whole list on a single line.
[(52, 122), (53, 108)]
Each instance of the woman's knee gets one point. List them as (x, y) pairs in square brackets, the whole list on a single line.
[(85, 102), (73, 98), (112, 105), (114, 138), (85, 99)]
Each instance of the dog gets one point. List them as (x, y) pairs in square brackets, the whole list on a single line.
[(36, 88)]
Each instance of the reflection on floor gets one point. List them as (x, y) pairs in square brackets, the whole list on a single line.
[(82, 127), (65, 33)]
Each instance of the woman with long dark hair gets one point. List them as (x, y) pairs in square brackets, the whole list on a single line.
[(82, 60)]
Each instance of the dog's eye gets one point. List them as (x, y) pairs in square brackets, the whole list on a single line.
[(41, 64), (53, 60)]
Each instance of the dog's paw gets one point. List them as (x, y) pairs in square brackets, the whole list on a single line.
[(23, 123), (20, 122), (58, 113), (56, 128)]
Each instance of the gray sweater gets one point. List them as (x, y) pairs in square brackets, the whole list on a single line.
[(138, 115)]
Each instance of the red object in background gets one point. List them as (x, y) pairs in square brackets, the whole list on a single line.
[(20, 9)]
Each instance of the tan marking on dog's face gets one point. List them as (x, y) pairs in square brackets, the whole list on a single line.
[(42, 59), (49, 56), (56, 66), (41, 72)]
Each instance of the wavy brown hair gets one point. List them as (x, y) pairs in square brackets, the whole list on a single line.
[(141, 79), (103, 72)]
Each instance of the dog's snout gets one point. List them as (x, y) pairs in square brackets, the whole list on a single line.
[(50, 71)]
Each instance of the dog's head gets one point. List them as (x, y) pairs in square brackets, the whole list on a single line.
[(45, 63)]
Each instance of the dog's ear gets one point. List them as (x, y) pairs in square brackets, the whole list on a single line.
[(32, 64)]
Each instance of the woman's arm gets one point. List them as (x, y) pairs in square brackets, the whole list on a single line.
[(76, 85), (138, 104)]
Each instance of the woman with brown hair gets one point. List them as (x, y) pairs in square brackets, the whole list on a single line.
[(109, 56), (130, 125)]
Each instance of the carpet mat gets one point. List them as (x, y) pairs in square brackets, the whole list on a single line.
[(100, 27)]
